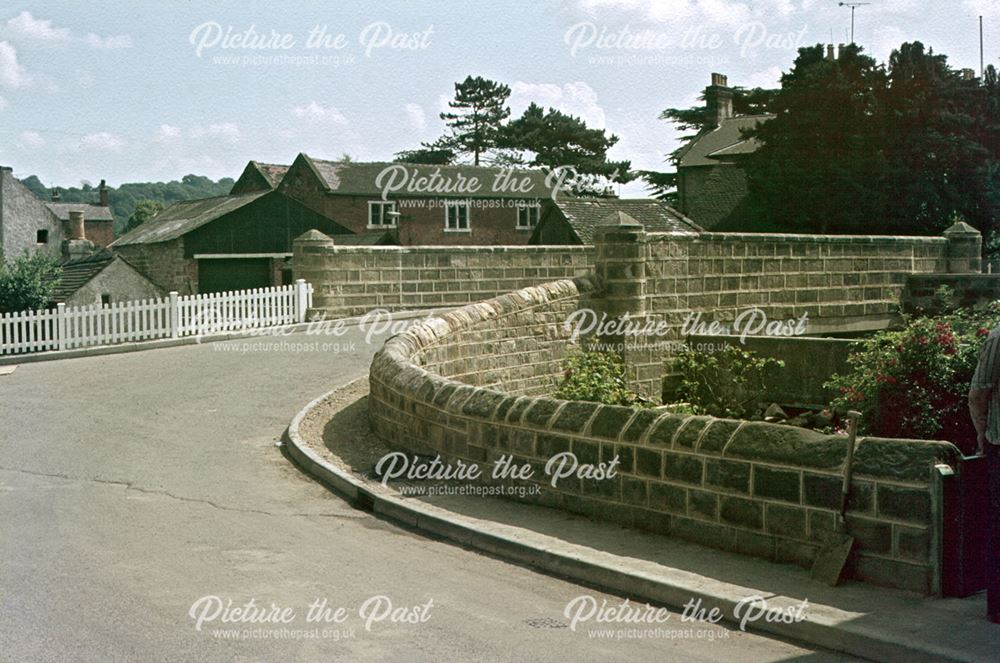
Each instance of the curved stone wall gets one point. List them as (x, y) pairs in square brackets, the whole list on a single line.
[(469, 385)]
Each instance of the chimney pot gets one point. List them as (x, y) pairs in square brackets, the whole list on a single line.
[(76, 226)]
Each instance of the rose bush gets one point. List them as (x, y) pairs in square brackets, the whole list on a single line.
[(913, 383)]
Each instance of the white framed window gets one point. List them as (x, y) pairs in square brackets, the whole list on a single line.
[(378, 214), (456, 217), (527, 216)]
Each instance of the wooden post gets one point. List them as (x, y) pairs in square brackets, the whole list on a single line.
[(61, 324), (173, 315), (301, 300)]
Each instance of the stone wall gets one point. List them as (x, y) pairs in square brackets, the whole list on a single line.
[(465, 385), (120, 282), (352, 280), (713, 195), (841, 283), (164, 264), (22, 215)]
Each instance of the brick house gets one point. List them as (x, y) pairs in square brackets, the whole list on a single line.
[(577, 220), (711, 181), (98, 219), (233, 242), (461, 205), (26, 224)]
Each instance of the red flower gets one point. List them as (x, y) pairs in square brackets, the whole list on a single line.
[(982, 331)]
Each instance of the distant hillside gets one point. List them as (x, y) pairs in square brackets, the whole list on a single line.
[(123, 199)]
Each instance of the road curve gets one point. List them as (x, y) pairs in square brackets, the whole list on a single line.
[(133, 485)]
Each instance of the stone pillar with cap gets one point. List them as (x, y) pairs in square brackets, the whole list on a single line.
[(965, 249), (620, 263)]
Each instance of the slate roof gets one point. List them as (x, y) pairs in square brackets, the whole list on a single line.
[(272, 172), (76, 273), (183, 217), (585, 216), (358, 179), (90, 211), (726, 140)]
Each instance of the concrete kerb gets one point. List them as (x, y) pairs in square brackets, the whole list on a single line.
[(823, 626), (119, 348)]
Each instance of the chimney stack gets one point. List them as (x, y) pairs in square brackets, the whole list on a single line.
[(719, 99), (830, 55), (77, 246), (840, 50), (968, 74), (103, 192), (76, 226), (55, 196)]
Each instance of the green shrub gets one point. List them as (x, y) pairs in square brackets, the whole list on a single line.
[(28, 282), (598, 377), (725, 383), (914, 383)]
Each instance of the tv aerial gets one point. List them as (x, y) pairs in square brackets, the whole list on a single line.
[(853, 6)]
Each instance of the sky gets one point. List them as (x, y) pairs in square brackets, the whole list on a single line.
[(151, 91)]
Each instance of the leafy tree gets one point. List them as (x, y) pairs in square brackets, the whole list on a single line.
[(479, 128), (899, 148), (552, 139), (427, 155), (480, 107), (820, 167), (144, 211), (28, 282)]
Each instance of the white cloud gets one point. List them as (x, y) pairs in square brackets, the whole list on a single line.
[(12, 74), (416, 115), (768, 78), (27, 26), (227, 131), (984, 8), (30, 140), (318, 112), (167, 132), (102, 142), (107, 43), (578, 99)]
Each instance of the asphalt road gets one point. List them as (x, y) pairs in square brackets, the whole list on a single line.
[(133, 486)]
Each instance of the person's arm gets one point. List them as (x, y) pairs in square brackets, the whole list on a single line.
[(979, 404), (983, 382)]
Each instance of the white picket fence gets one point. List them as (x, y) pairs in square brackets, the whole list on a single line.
[(69, 327)]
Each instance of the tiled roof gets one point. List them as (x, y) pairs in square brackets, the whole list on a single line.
[(183, 217), (585, 216), (76, 273), (359, 179), (725, 140), (90, 211)]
